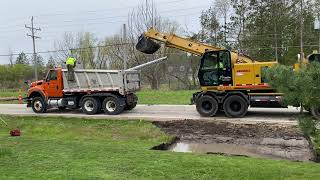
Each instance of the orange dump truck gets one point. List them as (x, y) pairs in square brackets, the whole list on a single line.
[(111, 91)]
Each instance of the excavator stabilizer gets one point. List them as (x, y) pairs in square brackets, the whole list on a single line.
[(147, 45)]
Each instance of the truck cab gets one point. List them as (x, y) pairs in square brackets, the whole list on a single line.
[(50, 86)]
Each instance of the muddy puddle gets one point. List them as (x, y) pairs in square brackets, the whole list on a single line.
[(262, 140)]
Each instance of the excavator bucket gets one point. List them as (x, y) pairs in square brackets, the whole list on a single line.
[(147, 45)]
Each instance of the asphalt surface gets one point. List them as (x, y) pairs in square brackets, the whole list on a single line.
[(165, 113)]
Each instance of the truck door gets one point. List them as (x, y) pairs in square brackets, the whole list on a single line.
[(54, 88)]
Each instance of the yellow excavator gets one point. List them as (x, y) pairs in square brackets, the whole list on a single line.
[(230, 81)]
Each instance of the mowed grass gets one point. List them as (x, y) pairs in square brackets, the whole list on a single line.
[(12, 94), (181, 97), (62, 148)]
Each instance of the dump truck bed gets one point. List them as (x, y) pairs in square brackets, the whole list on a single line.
[(124, 82)]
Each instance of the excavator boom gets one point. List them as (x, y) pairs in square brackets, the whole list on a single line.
[(148, 45)]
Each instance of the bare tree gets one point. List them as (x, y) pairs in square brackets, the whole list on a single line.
[(69, 41), (223, 7), (239, 19), (11, 57), (140, 20), (81, 45)]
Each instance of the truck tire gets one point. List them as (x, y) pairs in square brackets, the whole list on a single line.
[(131, 106), (207, 106), (90, 105), (235, 106), (38, 105), (112, 106)]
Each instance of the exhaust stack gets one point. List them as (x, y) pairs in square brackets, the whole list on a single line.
[(147, 45)]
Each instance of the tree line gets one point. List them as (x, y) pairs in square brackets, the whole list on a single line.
[(264, 30)]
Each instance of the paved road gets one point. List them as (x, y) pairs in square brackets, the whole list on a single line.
[(165, 113)]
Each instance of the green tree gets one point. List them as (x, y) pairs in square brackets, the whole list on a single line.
[(51, 63), (271, 29), (40, 61), (211, 29), (22, 59), (299, 87)]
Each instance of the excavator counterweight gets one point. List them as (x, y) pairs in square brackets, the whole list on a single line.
[(146, 45)]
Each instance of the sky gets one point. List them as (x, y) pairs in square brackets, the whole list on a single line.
[(101, 17)]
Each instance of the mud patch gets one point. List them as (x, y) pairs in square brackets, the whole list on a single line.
[(255, 140)]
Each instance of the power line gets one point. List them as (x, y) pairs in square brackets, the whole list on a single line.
[(120, 16), (122, 44), (104, 11), (64, 50)]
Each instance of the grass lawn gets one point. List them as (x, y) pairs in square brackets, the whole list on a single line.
[(11, 94), (165, 97), (181, 97), (62, 148)]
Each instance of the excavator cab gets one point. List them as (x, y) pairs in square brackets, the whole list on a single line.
[(146, 45), (215, 69)]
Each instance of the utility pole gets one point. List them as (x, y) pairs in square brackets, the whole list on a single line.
[(125, 57), (33, 30), (301, 32)]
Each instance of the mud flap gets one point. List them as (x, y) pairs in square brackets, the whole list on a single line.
[(147, 45)]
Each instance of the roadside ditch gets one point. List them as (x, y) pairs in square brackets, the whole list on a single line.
[(265, 140)]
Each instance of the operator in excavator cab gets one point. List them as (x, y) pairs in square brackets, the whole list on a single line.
[(71, 64)]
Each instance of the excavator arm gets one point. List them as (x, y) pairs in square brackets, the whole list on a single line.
[(148, 45), (173, 41)]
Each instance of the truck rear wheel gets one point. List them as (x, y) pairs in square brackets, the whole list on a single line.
[(207, 106), (235, 107), (90, 105), (130, 107), (38, 105), (112, 106)]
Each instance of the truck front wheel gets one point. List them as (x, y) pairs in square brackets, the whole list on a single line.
[(38, 105), (112, 106), (90, 105)]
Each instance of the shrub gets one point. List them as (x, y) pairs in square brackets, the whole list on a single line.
[(299, 87)]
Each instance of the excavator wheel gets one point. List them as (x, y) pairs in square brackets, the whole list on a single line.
[(147, 45), (235, 107), (207, 106)]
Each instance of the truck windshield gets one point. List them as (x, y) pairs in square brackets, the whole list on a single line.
[(52, 75)]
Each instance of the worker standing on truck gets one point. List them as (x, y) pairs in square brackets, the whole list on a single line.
[(71, 64)]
